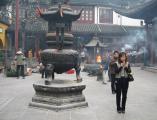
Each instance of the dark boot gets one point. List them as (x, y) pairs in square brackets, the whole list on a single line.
[(119, 109)]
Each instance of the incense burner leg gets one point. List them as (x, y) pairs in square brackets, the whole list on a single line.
[(50, 74)]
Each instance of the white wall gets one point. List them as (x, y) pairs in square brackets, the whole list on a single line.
[(96, 15), (119, 19), (122, 20)]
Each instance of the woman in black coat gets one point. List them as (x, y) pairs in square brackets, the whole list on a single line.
[(122, 69)]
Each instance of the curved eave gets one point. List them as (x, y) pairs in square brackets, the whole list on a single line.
[(89, 4), (50, 14), (4, 22), (94, 45), (145, 11)]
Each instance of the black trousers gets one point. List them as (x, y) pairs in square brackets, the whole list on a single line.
[(113, 87), (121, 89), (20, 70), (109, 75)]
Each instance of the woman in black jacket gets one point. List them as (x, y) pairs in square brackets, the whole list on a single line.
[(122, 68)]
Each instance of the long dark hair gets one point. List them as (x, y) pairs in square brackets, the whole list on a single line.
[(122, 54)]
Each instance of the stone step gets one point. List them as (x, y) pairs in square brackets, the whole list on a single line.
[(59, 95), (58, 101), (58, 108)]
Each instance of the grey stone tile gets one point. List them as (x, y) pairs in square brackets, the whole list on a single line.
[(62, 115), (83, 115), (34, 114), (15, 96), (10, 115)]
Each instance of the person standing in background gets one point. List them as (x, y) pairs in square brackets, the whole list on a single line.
[(105, 68), (20, 61), (105, 63), (114, 59), (108, 63)]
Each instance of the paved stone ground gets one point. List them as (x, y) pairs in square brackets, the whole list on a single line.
[(15, 95)]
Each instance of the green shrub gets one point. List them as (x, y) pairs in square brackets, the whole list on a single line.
[(11, 73)]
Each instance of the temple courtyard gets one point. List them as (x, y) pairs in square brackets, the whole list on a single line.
[(15, 95)]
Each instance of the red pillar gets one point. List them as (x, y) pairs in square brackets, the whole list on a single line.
[(17, 26), (37, 46), (23, 40)]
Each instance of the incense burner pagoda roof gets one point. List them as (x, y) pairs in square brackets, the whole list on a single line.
[(93, 43), (60, 12)]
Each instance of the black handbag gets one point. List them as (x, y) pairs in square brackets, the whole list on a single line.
[(130, 77)]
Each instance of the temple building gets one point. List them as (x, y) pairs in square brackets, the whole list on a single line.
[(144, 9), (98, 18), (110, 21)]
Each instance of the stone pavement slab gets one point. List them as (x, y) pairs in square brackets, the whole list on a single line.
[(15, 95)]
